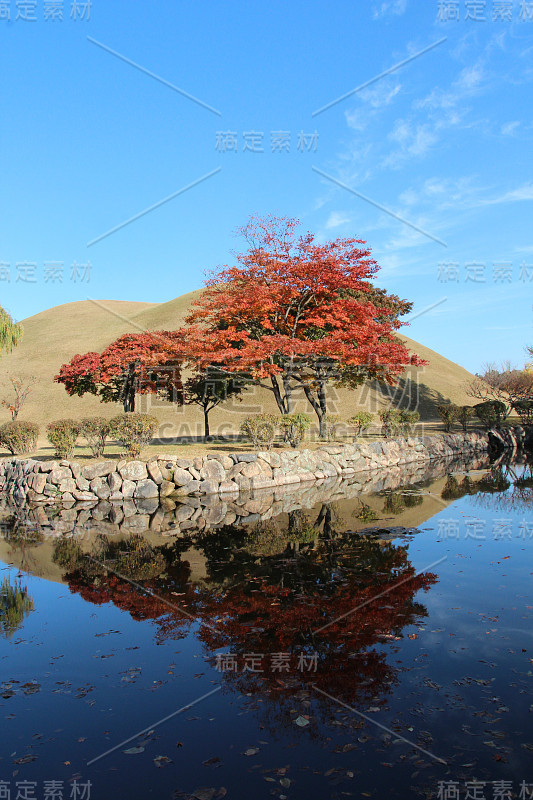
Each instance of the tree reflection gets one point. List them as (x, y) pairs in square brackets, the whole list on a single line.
[(15, 605), (324, 609), (505, 486)]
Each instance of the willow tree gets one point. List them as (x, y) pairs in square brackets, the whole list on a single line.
[(10, 331)]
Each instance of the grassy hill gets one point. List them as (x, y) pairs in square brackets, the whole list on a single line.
[(52, 337)]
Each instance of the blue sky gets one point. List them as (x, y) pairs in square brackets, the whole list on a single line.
[(430, 164)]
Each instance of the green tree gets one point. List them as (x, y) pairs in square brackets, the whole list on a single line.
[(210, 388), (10, 331)]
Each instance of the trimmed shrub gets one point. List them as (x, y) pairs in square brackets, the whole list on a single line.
[(490, 413), (524, 409), (397, 422), (465, 413), (294, 427), (134, 431), (19, 437), (63, 435), (361, 421), (95, 430), (260, 429), (408, 420), (449, 413), (390, 422), (332, 422)]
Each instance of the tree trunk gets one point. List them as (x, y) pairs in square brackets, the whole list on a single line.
[(129, 398), (284, 401), (287, 388), (128, 392), (323, 409), (206, 423), (319, 406)]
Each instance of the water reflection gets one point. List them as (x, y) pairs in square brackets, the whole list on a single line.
[(503, 487), (175, 518), (286, 605), (15, 605), (281, 595)]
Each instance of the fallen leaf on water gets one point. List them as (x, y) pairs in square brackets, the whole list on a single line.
[(132, 751), (252, 751), (301, 721), (162, 761), (204, 793), (28, 759)]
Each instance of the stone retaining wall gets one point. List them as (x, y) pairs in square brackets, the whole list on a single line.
[(185, 516), (30, 481)]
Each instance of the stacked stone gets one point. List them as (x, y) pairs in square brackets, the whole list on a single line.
[(185, 514), (169, 476)]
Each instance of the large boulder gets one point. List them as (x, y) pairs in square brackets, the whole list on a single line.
[(154, 472), (213, 471), (133, 471), (146, 488), (182, 477), (99, 470), (115, 481)]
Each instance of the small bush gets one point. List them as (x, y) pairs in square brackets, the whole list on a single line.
[(449, 413), (390, 422), (465, 413), (361, 422), (524, 409), (490, 413), (133, 431), (408, 420), (19, 437), (95, 430), (394, 503), (260, 429), (63, 434), (365, 513), (397, 422), (332, 422), (294, 427)]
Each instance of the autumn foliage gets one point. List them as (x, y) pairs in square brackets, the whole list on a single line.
[(136, 363), (300, 313), (292, 314)]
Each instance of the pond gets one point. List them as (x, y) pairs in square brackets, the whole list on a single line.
[(364, 639)]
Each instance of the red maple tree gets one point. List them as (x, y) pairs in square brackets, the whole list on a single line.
[(135, 363), (299, 313)]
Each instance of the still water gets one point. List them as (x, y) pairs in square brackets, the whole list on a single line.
[(369, 639)]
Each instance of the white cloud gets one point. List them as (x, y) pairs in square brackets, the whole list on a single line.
[(373, 99), (409, 197), (468, 83), (510, 127), (414, 139), (470, 77), (380, 95), (336, 219), (524, 192), (396, 7)]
